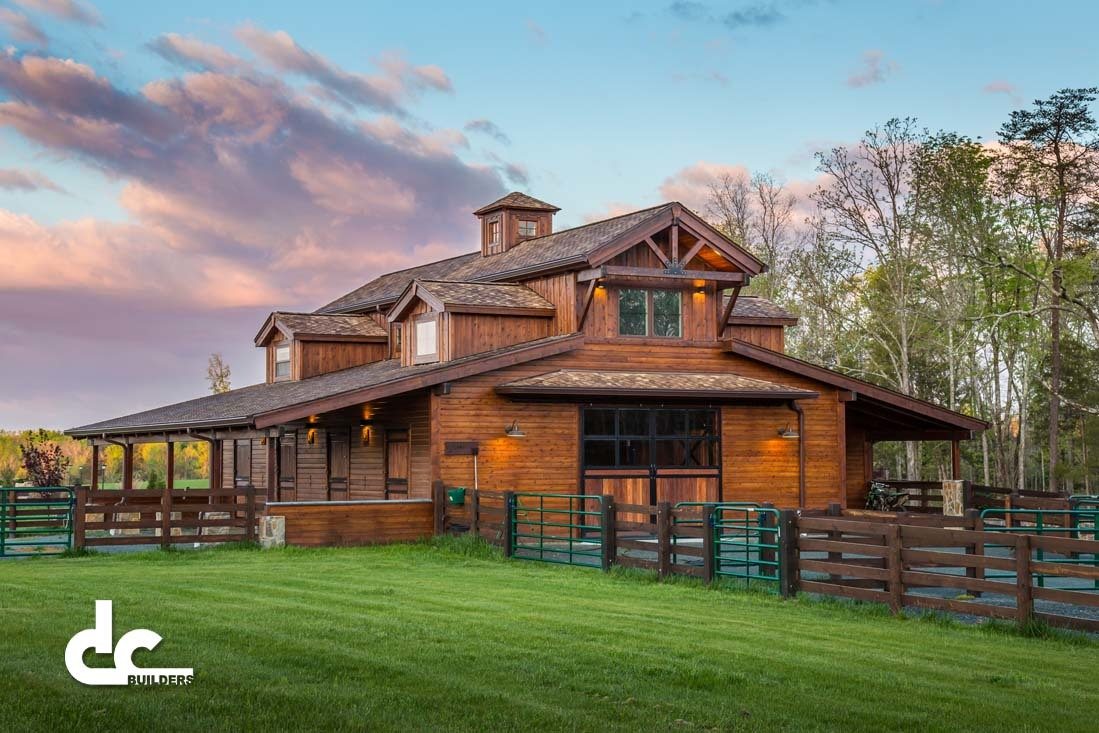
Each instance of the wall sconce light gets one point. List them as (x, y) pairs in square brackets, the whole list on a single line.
[(311, 436), (365, 432), (263, 440), (788, 432), (513, 431)]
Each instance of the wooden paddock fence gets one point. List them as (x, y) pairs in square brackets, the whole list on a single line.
[(164, 517), (342, 523)]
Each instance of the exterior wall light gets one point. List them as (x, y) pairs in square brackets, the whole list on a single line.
[(364, 436), (789, 433), (311, 436), (513, 431)]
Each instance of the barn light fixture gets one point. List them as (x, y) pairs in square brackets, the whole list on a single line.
[(789, 433), (365, 426), (311, 436), (513, 431)]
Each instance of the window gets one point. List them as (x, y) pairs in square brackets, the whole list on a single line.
[(282, 362), (396, 351), (427, 339), (528, 228), (644, 438), (494, 232), (649, 313)]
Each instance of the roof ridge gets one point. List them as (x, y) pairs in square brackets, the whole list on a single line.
[(592, 223)]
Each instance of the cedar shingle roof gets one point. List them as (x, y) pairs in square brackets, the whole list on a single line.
[(567, 246), (752, 307), (239, 407), (493, 295), (317, 326), (517, 200), (663, 384)]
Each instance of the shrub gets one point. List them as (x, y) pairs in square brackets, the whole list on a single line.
[(43, 460)]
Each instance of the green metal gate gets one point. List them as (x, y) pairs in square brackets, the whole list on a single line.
[(746, 542), (560, 528), (36, 521), (1079, 523)]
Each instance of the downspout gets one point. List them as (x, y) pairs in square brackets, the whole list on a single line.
[(801, 451)]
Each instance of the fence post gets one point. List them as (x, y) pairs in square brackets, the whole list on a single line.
[(788, 553), (895, 566), (475, 513), (509, 526), (81, 497), (708, 544), (664, 539), (967, 495), (610, 538), (166, 514), (438, 508), (4, 520), (1024, 591), (250, 511)]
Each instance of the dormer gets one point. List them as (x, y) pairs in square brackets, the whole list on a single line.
[(443, 320), (303, 345), (513, 219), (759, 321)]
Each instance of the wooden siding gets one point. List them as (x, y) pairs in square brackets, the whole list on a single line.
[(769, 337), (321, 357), (355, 524), (758, 465), (858, 467), (562, 292), (475, 334)]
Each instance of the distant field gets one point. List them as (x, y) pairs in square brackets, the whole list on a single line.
[(426, 637), (181, 483)]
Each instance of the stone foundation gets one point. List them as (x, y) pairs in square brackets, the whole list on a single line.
[(953, 498), (272, 532)]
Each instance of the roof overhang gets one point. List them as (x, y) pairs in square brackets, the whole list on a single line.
[(274, 325), (415, 290), (907, 418), (710, 387)]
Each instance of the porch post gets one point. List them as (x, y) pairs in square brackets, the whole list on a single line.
[(128, 467), (272, 468), (956, 460), (216, 457), (94, 483), (170, 468)]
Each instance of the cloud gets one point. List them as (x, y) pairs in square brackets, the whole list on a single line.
[(22, 28), (73, 11), (242, 195), (751, 15), (1000, 86), (875, 69), (691, 184), (706, 77), (690, 11), (537, 32), (191, 53), (490, 128), (13, 179), (610, 210), (384, 92)]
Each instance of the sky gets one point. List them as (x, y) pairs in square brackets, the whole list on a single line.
[(172, 172)]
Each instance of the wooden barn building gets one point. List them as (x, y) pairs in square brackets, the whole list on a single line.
[(618, 357)]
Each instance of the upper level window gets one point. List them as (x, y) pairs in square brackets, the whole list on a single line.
[(282, 361), (650, 313), (494, 232), (426, 342), (396, 340), (528, 228)]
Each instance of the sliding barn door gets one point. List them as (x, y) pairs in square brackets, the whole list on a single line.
[(288, 468), (339, 464), (396, 464)]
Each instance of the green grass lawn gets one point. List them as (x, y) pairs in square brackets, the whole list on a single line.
[(428, 638)]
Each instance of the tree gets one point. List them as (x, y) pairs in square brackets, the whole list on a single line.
[(1050, 166), (217, 374), (44, 461)]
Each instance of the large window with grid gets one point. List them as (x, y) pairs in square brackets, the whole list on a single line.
[(650, 313), (629, 437)]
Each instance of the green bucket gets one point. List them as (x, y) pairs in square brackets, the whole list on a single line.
[(456, 496)]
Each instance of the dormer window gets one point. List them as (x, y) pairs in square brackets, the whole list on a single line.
[(426, 339), (494, 232), (282, 362), (528, 228)]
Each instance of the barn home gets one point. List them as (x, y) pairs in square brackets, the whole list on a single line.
[(619, 357)]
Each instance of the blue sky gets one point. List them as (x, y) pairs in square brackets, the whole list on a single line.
[(599, 107)]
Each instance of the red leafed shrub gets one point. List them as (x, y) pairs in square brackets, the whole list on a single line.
[(44, 462)]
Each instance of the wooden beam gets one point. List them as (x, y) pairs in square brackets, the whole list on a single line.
[(593, 273), (675, 240), (170, 470), (692, 252), (955, 460), (728, 311), (731, 278), (588, 297), (127, 468), (95, 468), (663, 257)]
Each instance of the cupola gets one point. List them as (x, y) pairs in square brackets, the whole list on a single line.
[(508, 221)]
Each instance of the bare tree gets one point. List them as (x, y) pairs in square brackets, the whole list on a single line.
[(729, 206), (217, 374)]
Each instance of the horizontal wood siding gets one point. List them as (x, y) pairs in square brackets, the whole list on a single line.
[(321, 357), (312, 479), (407, 412), (355, 524), (858, 467)]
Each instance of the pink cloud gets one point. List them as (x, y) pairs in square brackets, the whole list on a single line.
[(22, 28), (193, 53), (875, 68), (73, 11), (691, 185), (1000, 86), (13, 179)]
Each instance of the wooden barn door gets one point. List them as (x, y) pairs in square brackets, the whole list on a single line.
[(396, 464), (288, 468), (339, 464)]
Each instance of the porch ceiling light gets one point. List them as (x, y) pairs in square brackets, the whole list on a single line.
[(788, 432), (513, 431)]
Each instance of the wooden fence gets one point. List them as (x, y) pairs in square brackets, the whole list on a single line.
[(927, 496), (164, 517), (341, 523)]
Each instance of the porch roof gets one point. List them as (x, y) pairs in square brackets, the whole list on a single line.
[(264, 405), (582, 382)]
